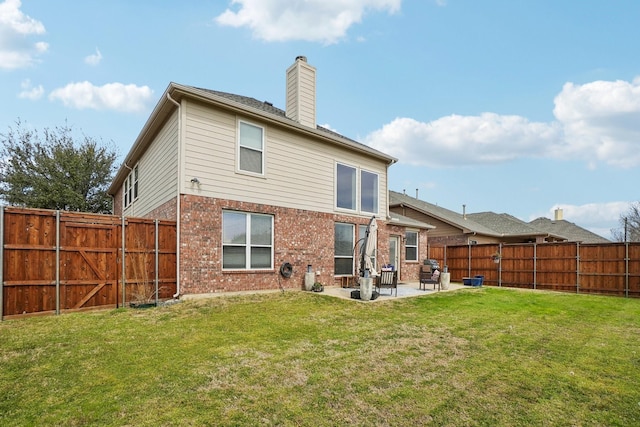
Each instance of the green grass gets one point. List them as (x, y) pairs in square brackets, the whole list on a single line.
[(480, 357)]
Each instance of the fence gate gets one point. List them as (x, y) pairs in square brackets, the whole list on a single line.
[(88, 262)]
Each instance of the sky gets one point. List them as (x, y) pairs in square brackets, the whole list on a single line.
[(509, 106)]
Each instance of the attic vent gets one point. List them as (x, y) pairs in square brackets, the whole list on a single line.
[(268, 103)]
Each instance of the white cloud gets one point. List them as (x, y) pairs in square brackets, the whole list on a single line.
[(16, 51), (93, 59), (111, 96), (328, 126), (591, 214), (487, 138), (30, 92), (596, 122), (325, 21), (598, 218), (601, 121)]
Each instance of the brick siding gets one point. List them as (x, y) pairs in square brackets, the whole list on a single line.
[(301, 238)]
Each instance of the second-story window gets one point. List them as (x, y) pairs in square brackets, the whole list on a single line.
[(346, 187), (369, 192), (130, 187), (250, 148), (356, 189)]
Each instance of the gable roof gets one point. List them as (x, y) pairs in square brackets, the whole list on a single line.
[(445, 215), (509, 225), (239, 104), (569, 230)]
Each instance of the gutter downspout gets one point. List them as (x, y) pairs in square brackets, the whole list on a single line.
[(178, 204)]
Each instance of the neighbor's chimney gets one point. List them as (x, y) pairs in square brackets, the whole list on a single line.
[(301, 92), (558, 214), (464, 211)]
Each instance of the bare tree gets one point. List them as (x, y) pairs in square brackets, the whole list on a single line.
[(629, 230)]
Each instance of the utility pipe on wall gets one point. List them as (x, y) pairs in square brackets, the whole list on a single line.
[(178, 204)]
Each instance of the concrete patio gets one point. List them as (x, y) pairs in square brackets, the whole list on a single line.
[(405, 290)]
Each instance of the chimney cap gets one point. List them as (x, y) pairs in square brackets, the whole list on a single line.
[(301, 58)]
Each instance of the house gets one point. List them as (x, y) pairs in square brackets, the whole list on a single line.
[(453, 228), (571, 231), (253, 188), (512, 229)]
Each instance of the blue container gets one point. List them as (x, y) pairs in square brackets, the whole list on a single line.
[(477, 281)]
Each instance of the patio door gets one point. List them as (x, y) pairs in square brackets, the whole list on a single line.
[(394, 252)]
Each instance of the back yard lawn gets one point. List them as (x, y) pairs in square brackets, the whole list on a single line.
[(471, 357)]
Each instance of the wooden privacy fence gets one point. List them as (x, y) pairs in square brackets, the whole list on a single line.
[(54, 261), (603, 268)]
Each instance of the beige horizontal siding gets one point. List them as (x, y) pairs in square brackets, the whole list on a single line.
[(299, 172), (157, 171)]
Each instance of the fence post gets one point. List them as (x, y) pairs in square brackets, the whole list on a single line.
[(535, 265), (157, 260), (500, 265), (58, 261), (124, 258), (1, 262), (626, 269), (469, 260), (577, 267)]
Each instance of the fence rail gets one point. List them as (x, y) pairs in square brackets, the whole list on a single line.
[(54, 261), (604, 268)]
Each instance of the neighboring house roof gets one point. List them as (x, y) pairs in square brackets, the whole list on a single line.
[(569, 230), (247, 106), (397, 219), (509, 225), (445, 215)]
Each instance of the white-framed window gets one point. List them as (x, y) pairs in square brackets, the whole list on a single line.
[(362, 232), (130, 187), (343, 249), (247, 241), (135, 182), (250, 148), (411, 246), (369, 192), (346, 187), (356, 190)]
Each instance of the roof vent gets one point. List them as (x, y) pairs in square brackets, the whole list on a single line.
[(301, 58)]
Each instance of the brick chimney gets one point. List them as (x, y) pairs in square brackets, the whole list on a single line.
[(301, 92)]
